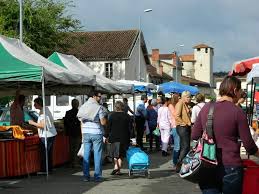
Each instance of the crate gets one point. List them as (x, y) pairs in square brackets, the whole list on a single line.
[(251, 177)]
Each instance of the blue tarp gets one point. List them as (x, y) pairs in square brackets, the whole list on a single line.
[(140, 88), (175, 87)]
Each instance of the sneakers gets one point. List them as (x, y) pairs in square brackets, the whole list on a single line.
[(164, 153), (115, 171), (86, 179)]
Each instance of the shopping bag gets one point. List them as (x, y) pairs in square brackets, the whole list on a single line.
[(156, 132), (80, 152)]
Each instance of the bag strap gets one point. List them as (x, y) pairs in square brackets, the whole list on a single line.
[(209, 124)]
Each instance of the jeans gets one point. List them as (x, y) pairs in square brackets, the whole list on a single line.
[(95, 141), (140, 123), (184, 133), (227, 180), (50, 142), (176, 140), (151, 137)]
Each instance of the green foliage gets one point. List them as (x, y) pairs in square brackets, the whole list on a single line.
[(5, 100), (45, 23)]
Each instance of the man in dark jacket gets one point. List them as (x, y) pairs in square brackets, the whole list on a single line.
[(73, 130)]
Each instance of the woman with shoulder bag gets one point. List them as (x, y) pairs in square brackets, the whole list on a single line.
[(183, 125), (229, 124)]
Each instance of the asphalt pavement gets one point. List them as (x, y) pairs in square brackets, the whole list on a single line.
[(65, 180)]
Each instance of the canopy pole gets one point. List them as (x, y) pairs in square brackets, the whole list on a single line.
[(253, 97), (45, 124), (113, 102), (247, 101)]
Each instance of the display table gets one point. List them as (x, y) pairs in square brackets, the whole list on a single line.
[(21, 157)]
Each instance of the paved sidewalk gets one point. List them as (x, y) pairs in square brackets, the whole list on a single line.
[(69, 181)]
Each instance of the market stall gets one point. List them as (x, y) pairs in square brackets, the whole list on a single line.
[(23, 68), (22, 157)]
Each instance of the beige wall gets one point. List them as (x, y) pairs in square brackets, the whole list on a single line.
[(188, 69), (204, 65)]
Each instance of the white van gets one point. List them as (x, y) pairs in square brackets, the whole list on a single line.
[(58, 105)]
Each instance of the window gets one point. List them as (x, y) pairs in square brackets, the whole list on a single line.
[(108, 70), (62, 100), (200, 65), (206, 50), (198, 49)]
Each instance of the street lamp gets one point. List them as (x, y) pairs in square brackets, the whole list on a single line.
[(177, 61), (145, 11), (20, 2)]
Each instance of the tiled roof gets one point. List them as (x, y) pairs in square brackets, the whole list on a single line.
[(153, 73), (201, 46), (103, 45), (170, 64), (187, 58), (166, 56), (194, 82)]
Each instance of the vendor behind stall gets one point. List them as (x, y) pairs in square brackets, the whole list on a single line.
[(16, 110)]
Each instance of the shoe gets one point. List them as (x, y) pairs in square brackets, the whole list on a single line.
[(98, 180), (164, 153), (114, 171), (86, 179), (178, 167), (174, 167), (118, 173)]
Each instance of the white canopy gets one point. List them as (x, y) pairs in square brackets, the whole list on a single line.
[(103, 84), (254, 73), (137, 84)]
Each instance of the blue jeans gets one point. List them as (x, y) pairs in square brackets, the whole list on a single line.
[(231, 180), (176, 139), (184, 133), (95, 141)]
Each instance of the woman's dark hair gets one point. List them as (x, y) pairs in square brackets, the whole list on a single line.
[(39, 101), (228, 86), (149, 101), (200, 98), (119, 106), (163, 99)]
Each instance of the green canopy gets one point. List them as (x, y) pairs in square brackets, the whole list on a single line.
[(22, 67)]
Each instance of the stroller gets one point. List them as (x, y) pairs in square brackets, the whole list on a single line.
[(138, 162)]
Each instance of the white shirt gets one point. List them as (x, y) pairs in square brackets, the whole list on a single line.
[(51, 130), (196, 110)]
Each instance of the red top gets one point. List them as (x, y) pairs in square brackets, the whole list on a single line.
[(230, 124)]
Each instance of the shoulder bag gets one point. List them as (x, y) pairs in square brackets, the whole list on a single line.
[(203, 155)]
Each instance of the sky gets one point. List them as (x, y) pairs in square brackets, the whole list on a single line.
[(231, 27)]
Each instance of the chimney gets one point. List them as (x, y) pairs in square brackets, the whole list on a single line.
[(155, 56), (174, 58)]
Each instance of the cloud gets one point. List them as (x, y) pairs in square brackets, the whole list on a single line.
[(231, 27)]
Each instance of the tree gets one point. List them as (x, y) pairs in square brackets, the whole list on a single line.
[(45, 23)]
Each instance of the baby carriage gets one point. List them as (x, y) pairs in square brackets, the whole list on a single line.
[(138, 162)]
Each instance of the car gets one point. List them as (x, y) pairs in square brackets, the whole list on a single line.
[(5, 116)]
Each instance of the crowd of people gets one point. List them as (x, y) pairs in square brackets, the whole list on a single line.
[(178, 120)]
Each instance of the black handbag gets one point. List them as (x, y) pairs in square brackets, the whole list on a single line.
[(7, 134), (203, 155)]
